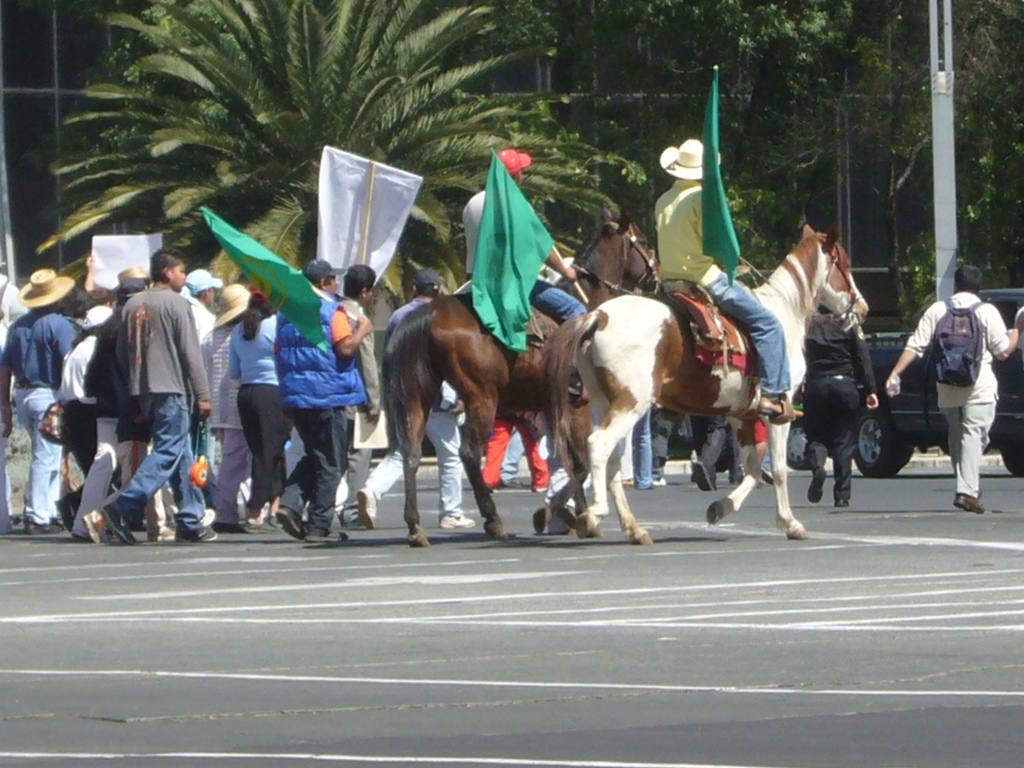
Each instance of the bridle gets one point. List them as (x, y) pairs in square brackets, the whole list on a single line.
[(649, 282), (835, 262)]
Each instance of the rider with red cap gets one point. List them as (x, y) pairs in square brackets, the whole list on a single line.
[(550, 300)]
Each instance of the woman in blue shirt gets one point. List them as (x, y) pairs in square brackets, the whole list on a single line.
[(264, 424)]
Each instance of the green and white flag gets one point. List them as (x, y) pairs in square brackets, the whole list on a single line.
[(719, 236), (283, 285), (512, 247)]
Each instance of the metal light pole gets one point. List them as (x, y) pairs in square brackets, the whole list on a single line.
[(943, 152), (6, 239)]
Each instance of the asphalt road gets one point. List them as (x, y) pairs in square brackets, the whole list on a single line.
[(893, 637)]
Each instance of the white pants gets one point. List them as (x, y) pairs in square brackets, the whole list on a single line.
[(97, 482), (968, 438), (443, 431)]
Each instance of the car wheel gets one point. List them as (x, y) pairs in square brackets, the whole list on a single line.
[(795, 447), (880, 451), (1013, 458)]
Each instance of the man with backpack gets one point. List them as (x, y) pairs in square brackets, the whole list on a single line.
[(964, 334)]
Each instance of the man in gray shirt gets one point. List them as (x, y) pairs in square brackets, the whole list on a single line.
[(158, 348)]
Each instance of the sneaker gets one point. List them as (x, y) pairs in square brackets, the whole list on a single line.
[(814, 490), (367, 508), (93, 525), (325, 538), (117, 525), (162, 536), (291, 523), (842, 503), (202, 536), (455, 522), (659, 483), (229, 528), (704, 479), (539, 489), (208, 517)]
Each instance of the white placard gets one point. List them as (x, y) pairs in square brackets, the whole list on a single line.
[(369, 435), (114, 254), (363, 209)]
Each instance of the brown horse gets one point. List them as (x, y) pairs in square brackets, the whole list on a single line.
[(633, 352), (444, 341)]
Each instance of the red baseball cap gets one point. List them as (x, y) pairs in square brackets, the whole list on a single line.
[(515, 161)]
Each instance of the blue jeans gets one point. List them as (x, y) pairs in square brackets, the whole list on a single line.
[(43, 487), (764, 328), (554, 302), (643, 456), (170, 461), (513, 455), (313, 483)]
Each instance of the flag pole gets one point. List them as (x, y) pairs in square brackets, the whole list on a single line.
[(366, 213)]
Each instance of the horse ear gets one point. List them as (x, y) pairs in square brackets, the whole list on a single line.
[(831, 237), (808, 231), (624, 221)]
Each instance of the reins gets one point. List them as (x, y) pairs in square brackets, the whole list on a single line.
[(643, 285)]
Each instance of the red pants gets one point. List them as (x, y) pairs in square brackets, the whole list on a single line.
[(499, 444)]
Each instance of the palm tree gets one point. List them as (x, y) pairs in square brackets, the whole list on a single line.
[(228, 103)]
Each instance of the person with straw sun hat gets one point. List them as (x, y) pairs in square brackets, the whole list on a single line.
[(32, 362), (679, 217), (226, 424)]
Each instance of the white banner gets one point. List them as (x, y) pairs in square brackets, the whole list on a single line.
[(363, 209), (114, 254)]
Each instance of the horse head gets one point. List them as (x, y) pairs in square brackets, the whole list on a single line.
[(839, 291), (617, 260)]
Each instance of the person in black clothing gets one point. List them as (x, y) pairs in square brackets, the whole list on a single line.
[(838, 368)]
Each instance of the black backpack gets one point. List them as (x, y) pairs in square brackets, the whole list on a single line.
[(957, 346)]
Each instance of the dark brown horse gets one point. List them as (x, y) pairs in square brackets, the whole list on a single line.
[(444, 341)]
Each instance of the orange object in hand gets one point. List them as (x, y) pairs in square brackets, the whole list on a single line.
[(200, 472)]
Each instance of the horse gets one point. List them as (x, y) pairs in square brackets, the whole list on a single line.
[(444, 341), (632, 352)]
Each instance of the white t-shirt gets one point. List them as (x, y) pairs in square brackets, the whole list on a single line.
[(72, 377), (997, 341), (472, 215)]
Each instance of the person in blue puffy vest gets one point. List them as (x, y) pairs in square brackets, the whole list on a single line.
[(316, 387)]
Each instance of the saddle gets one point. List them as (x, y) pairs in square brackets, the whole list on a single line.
[(717, 338)]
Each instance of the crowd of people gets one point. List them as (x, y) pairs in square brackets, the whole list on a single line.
[(181, 399)]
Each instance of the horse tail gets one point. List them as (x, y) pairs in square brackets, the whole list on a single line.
[(559, 366), (407, 373)]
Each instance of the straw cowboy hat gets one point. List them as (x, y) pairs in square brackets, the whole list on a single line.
[(45, 288), (136, 272), (234, 301), (686, 161)]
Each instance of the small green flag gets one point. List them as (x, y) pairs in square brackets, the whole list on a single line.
[(719, 236), (283, 285), (511, 249)]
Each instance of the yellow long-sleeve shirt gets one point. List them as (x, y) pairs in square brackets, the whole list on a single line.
[(681, 235)]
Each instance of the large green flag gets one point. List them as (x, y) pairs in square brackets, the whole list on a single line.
[(283, 285), (511, 249), (719, 236)]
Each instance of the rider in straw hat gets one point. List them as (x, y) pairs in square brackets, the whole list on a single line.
[(32, 361), (681, 247)]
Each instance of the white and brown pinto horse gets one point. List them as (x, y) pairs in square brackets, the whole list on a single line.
[(632, 354)]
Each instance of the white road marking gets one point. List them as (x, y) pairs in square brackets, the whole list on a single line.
[(468, 683), (327, 758)]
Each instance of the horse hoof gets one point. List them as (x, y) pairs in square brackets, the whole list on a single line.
[(644, 539), (495, 530), (719, 509), (562, 522), (541, 518), (587, 527), (797, 534), (418, 539)]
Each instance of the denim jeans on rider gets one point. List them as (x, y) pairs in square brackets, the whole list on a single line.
[(554, 302), (764, 328), (170, 459)]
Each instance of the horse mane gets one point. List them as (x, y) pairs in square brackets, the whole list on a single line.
[(795, 279)]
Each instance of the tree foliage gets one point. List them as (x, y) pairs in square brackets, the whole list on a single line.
[(228, 103)]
